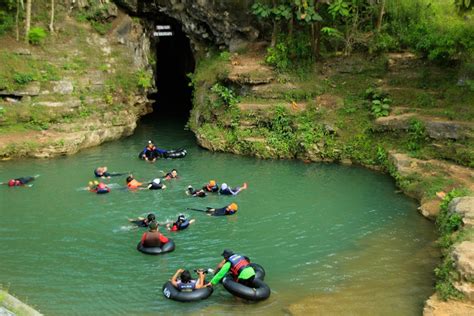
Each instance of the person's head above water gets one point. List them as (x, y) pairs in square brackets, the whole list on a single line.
[(227, 253), (224, 186), (233, 206), (12, 183), (129, 178), (153, 225), (151, 217), (212, 183), (181, 218), (156, 181), (174, 172), (101, 185), (185, 276)]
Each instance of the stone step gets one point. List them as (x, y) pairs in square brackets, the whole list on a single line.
[(256, 107), (436, 128)]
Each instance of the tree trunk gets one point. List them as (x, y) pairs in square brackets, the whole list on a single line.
[(51, 21), (274, 33), (275, 27), (17, 18), (27, 19), (381, 14)]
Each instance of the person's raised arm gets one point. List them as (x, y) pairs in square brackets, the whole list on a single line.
[(174, 279)]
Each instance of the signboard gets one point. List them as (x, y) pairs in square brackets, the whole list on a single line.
[(163, 30)]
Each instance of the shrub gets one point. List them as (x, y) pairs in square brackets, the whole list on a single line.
[(144, 79), (22, 78), (417, 135), (226, 96), (36, 35), (6, 22)]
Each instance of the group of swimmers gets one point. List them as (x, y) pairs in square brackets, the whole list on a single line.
[(237, 265)]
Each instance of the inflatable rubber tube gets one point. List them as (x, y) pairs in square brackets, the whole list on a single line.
[(177, 153), (169, 291), (259, 271), (258, 292), (184, 225), (103, 191), (168, 247)]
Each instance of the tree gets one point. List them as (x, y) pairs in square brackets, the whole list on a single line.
[(51, 21), (27, 19)]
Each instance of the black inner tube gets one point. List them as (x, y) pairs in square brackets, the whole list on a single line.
[(169, 291), (168, 247), (258, 292)]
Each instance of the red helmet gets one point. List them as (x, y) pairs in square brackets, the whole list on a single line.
[(11, 183), (101, 186)]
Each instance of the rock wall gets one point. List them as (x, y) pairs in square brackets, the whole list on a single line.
[(208, 23)]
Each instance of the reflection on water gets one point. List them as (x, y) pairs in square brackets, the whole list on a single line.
[(333, 239)]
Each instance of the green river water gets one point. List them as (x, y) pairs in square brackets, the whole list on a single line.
[(334, 239)]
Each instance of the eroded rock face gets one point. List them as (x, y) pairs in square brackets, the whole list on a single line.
[(463, 256), (464, 206), (223, 23)]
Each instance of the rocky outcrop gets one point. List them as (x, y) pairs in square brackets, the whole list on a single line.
[(221, 23), (436, 307), (465, 207), (436, 128)]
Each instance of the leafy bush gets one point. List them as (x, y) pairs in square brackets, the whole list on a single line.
[(291, 53), (226, 96), (417, 135), (22, 78), (379, 102), (36, 35), (6, 21), (144, 79)]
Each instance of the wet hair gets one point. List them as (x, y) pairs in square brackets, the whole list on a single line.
[(185, 276), (151, 217), (129, 179)]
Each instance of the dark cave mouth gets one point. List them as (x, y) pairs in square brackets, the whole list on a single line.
[(174, 62)]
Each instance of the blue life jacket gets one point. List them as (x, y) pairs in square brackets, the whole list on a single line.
[(237, 264), (187, 287)]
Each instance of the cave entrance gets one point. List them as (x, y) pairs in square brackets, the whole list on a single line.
[(174, 61)]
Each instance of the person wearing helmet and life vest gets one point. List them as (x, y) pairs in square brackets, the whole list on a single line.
[(173, 174), (180, 224), (230, 209), (156, 185), (226, 190), (238, 265), (151, 152), (211, 186), (195, 193), (183, 282), (153, 238), (143, 222), (99, 188), (18, 182), (132, 183)]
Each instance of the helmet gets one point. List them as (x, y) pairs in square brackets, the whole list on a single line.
[(234, 206), (181, 217), (227, 253), (101, 185), (212, 183), (11, 183), (151, 217), (224, 186)]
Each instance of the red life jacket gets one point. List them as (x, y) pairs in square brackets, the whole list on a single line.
[(237, 264)]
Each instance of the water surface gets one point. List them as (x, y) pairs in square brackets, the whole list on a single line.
[(336, 237)]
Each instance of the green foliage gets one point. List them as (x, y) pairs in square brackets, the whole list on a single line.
[(36, 35), (97, 15), (22, 78), (448, 224), (445, 275), (464, 5), (291, 53), (226, 96), (7, 20), (379, 102), (417, 135), (144, 79)]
